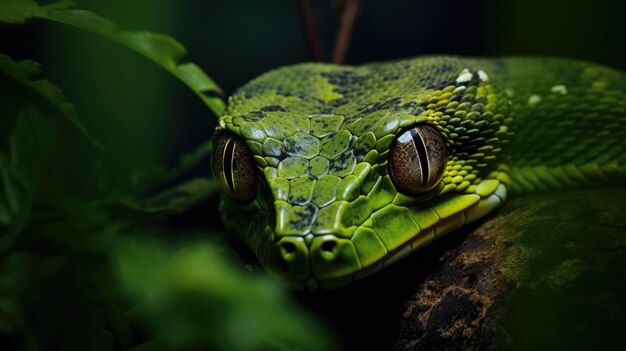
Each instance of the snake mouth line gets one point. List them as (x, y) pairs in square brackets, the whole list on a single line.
[(487, 197)]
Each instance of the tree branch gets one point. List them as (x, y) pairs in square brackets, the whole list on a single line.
[(310, 32), (348, 10)]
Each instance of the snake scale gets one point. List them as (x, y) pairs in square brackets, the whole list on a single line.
[(330, 173)]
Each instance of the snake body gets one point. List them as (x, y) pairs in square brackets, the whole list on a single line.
[(324, 209)]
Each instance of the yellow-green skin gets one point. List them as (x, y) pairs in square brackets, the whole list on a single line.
[(326, 211)]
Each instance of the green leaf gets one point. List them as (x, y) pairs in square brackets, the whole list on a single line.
[(29, 135), (23, 71), (18, 11), (186, 162), (195, 298), (21, 166), (162, 49), (175, 200)]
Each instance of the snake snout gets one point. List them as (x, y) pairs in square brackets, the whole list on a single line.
[(326, 260)]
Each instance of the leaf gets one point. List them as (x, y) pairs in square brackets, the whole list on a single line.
[(186, 162), (48, 300), (18, 11), (29, 138), (175, 200), (162, 49), (21, 166), (23, 71), (195, 298), (29, 132)]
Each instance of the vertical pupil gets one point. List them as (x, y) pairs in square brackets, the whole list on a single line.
[(420, 148), (228, 159)]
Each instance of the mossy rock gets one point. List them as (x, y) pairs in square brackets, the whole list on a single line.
[(546, 272)]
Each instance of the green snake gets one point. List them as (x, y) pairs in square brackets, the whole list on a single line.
[(330, 173)]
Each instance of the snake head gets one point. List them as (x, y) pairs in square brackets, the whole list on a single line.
[(330, 173)]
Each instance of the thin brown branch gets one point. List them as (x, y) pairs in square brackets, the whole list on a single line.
[(349, 10), (309, 30)]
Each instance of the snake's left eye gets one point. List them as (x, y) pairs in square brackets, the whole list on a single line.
[(233, 168), (417, 160)]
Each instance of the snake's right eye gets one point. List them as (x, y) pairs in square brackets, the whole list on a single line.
[(233, 168)]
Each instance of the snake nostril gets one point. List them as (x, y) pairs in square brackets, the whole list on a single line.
[(288, 248), (329, 246)]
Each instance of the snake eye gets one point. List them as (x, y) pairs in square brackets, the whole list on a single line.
[(417, 159), (233, 168)]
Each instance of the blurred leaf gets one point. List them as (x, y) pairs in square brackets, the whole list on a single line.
[(18, 11), (58, 302), (21, 166), (12, 280), (23, 71), (175, 200), (29, 133), (195, 298), (162, 49), (186, 162), (189, 298), (181, 197)]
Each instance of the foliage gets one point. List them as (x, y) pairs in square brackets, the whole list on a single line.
[(82, 269), (162, 49)]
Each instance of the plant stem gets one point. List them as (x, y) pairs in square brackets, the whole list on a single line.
[(348, 10), (309, 29)]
